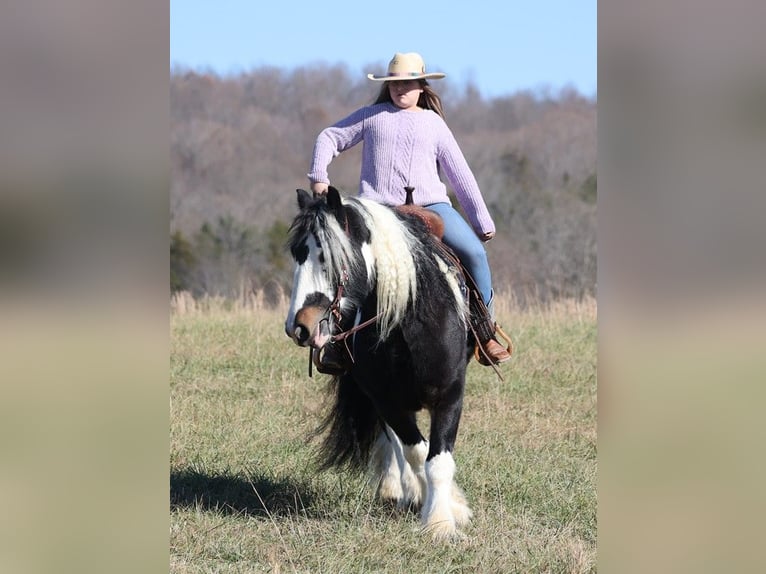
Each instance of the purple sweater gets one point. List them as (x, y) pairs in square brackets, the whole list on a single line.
[(402, 148)]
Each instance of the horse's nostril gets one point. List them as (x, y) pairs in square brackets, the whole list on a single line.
[(301, 335)]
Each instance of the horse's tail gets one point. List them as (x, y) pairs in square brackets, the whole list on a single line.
[(350, 427)]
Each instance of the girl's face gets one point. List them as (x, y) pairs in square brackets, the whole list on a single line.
[(405, 93)]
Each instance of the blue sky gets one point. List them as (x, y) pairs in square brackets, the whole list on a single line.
[(501, 46)]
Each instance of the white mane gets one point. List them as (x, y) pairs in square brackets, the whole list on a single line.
[(392, 246)]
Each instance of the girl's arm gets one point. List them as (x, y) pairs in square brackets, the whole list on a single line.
[(462, 180), (334, 140)]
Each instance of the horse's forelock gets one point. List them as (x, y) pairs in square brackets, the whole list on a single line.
[(318, 221), (336, 245)]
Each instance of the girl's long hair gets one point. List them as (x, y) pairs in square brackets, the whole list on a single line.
[(429, 99)]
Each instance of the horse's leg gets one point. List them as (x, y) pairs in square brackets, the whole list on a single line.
[(413, 474), (386, 466), (445, 506), (410, 449)]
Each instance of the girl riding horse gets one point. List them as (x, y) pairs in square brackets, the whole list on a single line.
[(406, 144)]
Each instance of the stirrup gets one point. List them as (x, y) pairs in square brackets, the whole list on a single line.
[(481, 355)]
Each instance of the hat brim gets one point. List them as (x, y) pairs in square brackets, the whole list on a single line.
[(429, 76)]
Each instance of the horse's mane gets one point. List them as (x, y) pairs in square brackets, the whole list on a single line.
[(394, 249)]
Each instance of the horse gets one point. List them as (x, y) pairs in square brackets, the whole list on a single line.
[(381, 271)]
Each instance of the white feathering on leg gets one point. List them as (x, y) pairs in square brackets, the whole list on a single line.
[(438, 517), (413, 473), (386, 472)]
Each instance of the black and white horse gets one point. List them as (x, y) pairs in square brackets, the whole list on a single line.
[(361, 263)]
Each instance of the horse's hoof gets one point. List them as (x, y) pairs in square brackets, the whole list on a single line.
[(405, 505), (441, 531), (390, 489)]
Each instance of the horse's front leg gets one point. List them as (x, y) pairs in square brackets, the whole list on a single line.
[(402, 449), (385, 466), (398, 470), (445, 507)]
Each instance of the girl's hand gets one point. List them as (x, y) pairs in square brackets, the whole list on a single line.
[(319, 188), (487, 236)]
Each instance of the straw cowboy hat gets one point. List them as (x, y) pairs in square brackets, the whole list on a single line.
[(409, 66)]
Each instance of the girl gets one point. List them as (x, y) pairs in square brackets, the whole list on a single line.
[(406, 144)]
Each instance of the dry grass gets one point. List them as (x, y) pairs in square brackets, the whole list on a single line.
[(245, 497)]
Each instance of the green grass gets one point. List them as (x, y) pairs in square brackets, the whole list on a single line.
[(246, 498)]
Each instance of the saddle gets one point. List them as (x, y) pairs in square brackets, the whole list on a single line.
[(432, 220)]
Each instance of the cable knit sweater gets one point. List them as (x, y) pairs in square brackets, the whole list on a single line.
[(402, 148)]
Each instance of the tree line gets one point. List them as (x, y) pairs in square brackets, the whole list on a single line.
[(241, 145)]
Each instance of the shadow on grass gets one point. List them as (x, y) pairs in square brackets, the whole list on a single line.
[(229, 494)]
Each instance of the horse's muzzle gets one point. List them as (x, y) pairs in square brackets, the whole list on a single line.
[(311, 328)]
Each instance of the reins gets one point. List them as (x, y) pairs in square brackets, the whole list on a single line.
[(334, 310)]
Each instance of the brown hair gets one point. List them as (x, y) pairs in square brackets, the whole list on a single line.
[(428, 100)]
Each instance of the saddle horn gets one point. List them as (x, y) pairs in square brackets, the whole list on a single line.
[(408, 190)]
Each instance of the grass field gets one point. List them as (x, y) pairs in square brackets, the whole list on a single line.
[(246, 498)]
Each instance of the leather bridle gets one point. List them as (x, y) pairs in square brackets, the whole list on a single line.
[(334, 312)]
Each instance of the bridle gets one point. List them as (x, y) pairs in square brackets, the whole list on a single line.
[(334, 312)]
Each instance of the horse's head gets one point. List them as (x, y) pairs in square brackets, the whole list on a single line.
[(325, 257)]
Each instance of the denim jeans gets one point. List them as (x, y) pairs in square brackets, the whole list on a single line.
[(459, 235)]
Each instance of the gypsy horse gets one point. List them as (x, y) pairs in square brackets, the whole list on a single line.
[(381, 274)]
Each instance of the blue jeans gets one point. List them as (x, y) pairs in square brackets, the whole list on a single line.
[(467, 245)]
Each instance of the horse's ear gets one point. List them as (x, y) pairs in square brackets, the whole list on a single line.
[(303, 198), (333, 199)]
